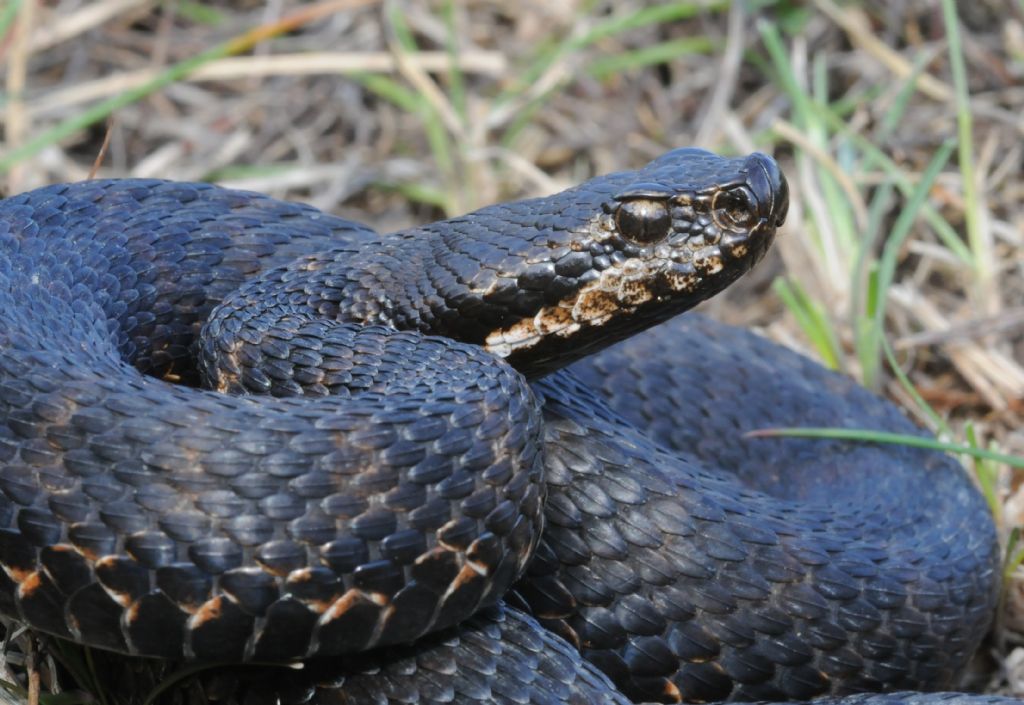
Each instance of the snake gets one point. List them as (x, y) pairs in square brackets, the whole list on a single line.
[(478, 460)]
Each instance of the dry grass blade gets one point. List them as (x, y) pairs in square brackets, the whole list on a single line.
[(997, 377), (827, 161), (233, 68), (63, 27), (854, 23), (16, 121), (725, 88), (236, 45)]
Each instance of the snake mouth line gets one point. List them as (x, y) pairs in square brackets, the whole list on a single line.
[(621, 290)]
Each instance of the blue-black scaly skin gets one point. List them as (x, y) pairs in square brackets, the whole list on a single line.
[(163, 520), (391, 485), (691, 562), (539, 282), (157, 519)]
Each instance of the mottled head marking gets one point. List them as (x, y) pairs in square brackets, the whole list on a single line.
[(646, 245)]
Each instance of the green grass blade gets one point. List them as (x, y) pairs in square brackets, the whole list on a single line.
[(390, 90), (864, 282), (894, 115), (417, 192), (199, 13), (411, 102), (234, 172), (8, 13), (893, 246), (433, 122), (892, 170), (653, 54), (987, 473), (841, 215), (803, 109), (866, 333), (965, 146), (870, 436), (172, 74), (546, 56), (812, 321), (658, 14), (933, 416), (104, 108), (1013, 558), (401, 29), (456, 78)]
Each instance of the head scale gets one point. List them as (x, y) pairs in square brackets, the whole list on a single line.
[(622, 252)]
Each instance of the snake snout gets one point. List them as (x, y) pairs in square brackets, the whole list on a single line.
[(768, 187)]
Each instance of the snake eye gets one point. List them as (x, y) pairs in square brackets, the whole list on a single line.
[(643, 220), (734, 210)]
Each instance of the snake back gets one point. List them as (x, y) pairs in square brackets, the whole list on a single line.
[(234, 429), (388, 482)]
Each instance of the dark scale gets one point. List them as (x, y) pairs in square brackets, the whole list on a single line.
[(364, 478)]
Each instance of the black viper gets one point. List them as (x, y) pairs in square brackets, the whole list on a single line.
[(420, 430)]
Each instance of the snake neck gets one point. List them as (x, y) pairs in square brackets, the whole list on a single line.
[(543, 282)]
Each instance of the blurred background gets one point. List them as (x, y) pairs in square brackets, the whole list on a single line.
[(899, 125)]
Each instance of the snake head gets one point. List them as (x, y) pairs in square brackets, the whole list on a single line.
[(647, 245), (672, 235)]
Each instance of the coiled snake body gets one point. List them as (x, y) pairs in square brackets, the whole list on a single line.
[(400, 427)]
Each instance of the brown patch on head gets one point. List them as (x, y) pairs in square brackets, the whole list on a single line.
[(595, 306), (634, 292), (740, 250), (616, 291), (708, 261), (681, 279), (552, 320), (672, 254)]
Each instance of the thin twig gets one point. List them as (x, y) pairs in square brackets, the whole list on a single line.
[(102, 151)]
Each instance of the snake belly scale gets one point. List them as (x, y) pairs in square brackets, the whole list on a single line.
[(236, 429)]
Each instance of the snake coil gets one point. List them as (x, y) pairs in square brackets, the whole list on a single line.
[(238, 429)]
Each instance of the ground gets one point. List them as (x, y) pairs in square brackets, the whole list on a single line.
[(899, 125)]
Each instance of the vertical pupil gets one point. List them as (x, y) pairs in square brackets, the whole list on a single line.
[(643, 220)]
